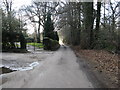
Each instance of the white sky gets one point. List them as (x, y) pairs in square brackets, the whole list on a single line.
[(18, 3)]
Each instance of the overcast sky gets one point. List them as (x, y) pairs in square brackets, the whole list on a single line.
[(18, 3)]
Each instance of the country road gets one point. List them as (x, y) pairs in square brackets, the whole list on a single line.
[(58, 70)]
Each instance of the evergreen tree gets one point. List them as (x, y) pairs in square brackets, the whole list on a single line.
[(49, 29), (50, 36)]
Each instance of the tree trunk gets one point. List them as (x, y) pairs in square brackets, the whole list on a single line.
[(38, 38), (88, 25), (79, 24), (22, 41), (97, 20)]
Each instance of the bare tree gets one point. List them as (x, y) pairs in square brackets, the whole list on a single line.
[(39, 10), (70, 17)]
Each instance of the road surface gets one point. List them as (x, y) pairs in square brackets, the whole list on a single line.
[(58, 70)]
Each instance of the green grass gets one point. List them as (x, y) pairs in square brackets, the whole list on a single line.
[(39, 45)]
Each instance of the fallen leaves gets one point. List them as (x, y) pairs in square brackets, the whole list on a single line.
[(105, 62)]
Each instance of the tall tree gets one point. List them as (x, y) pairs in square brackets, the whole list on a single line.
[(8, 7), (70, 17), (88, 22), (11, 27), (48, 26), (97, 28), (0, 28), (39, 10)]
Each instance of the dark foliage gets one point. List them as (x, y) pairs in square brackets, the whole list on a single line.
[(11, 33), (51, 38), (49, 29), (50, 44)]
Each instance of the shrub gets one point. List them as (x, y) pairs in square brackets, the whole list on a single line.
[(50, 44)]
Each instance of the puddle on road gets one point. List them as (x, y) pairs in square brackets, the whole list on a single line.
[(8, 69)]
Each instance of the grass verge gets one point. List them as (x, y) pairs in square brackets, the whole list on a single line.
[(39, 45)]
